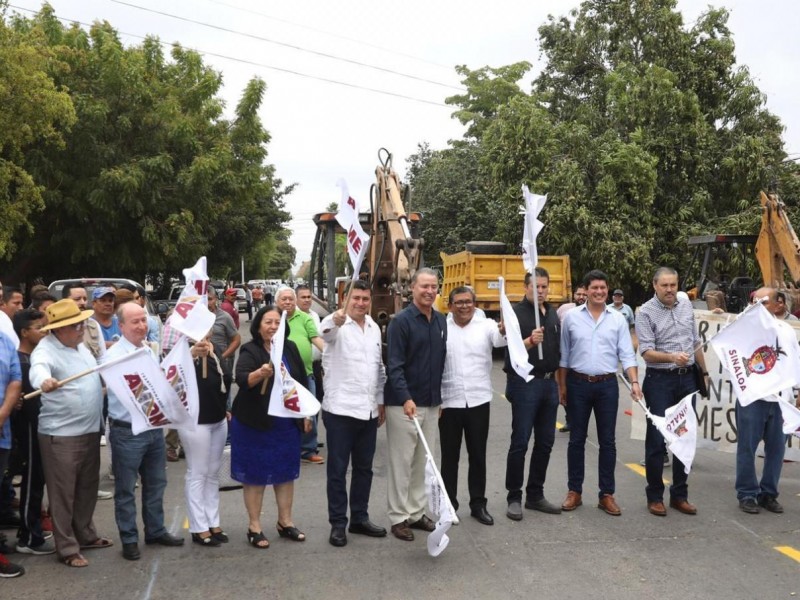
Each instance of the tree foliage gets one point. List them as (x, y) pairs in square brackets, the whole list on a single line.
[(642, 130), (151, 175)]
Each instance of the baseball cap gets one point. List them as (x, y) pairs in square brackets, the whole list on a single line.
[(99, 292), (618, 292)]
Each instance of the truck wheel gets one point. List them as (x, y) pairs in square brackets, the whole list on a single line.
[(486, 247)]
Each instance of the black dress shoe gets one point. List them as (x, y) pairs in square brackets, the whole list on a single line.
[(482, 515), (338, 537), (367, 528), (165, 540), (131, 551)]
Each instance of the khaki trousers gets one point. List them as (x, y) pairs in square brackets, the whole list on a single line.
[(406, 458), (72, 475)]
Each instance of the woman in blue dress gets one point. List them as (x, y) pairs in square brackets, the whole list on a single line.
[(265, 450)]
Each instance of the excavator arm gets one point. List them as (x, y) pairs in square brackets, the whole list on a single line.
[(777, 244)]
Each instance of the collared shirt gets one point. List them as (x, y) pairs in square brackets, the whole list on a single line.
[(626, 311), (7, 327), (564, 309), (417, 350), (466, 381), (301, 331), (526, 315), (354, 372), (596, 347), (76, 408), (9, 371), (116, 409), (666, 329), (315, 353)]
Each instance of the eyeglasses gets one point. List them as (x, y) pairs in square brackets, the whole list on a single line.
[(462, 303)]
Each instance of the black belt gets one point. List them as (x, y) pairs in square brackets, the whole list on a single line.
[(678, 371), (592, 378), (118, 423), (544, 374)]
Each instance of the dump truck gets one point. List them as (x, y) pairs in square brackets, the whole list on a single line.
[(479, 270)]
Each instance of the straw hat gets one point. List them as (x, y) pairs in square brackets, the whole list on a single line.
[(65, 312)]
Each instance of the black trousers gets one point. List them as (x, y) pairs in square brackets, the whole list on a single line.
[(471, 424), (32, 486)]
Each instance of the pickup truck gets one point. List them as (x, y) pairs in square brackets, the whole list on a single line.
[(90, 283)]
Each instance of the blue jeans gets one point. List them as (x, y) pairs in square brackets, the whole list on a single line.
[(534, 406), (583, 397), (308, 445), (662, 390), (758, 421), (144, 454), (349, 438)]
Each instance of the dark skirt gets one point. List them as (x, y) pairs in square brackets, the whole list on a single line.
[(265, 457)]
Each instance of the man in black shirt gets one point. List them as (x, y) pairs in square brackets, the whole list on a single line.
[(534, 404)]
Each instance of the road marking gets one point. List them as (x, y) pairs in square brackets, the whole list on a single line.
[(186, 523), (637, 468), (558, 425), (789, 551)]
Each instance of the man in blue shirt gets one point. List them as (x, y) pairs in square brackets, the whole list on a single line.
[(417, 340), (10, 388), (594, 339)]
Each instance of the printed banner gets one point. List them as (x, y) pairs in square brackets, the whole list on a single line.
[(438, 505), (191, 315), (143, 389), (533, 206), (759, 355), (178, 367), (517, 353), (288, 398), (357, 239)]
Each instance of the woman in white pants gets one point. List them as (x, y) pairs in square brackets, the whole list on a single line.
[(203, 448)]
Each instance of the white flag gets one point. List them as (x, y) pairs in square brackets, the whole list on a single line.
[(288, 399), (141, 386), (438, 505), (517, 353), (357, 239), (191, 315), (533, 206), (790, 413), (679, 428), (178, 366), (761, 357)]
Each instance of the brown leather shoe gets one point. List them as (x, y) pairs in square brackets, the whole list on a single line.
[(425, 524), (402, 532), (683, 505), (657, 508), (608, 504), (572, 501)]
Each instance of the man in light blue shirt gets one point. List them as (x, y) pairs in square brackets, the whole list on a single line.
[(594, 339), (132, 455), (10, 387)]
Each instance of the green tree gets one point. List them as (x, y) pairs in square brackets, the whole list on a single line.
[(33, 112), (152, 175), (450, 190), (640, 129)]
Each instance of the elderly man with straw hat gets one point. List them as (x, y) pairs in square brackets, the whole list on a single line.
[(69, 430)]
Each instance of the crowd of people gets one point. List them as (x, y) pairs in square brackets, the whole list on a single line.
[(436, 378)]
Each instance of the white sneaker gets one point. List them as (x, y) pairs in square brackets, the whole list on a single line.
[(102, 440), (47, 547), (103, 495)]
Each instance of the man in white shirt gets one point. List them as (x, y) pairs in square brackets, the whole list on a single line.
[(7, 310), (352, 411), (466, 393)]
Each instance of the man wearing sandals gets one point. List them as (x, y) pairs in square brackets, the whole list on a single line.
[(69, 430), (132, 455)]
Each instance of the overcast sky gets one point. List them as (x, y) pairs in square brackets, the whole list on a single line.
[(322, 131)]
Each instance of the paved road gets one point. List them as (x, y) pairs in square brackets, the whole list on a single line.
[(720, 553)]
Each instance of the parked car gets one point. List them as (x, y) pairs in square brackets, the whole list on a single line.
[(241, 298)]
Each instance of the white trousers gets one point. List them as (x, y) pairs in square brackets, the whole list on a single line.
[(407, 499), (203, 448)]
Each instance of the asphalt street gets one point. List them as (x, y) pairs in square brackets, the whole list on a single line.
[(719, 553)]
